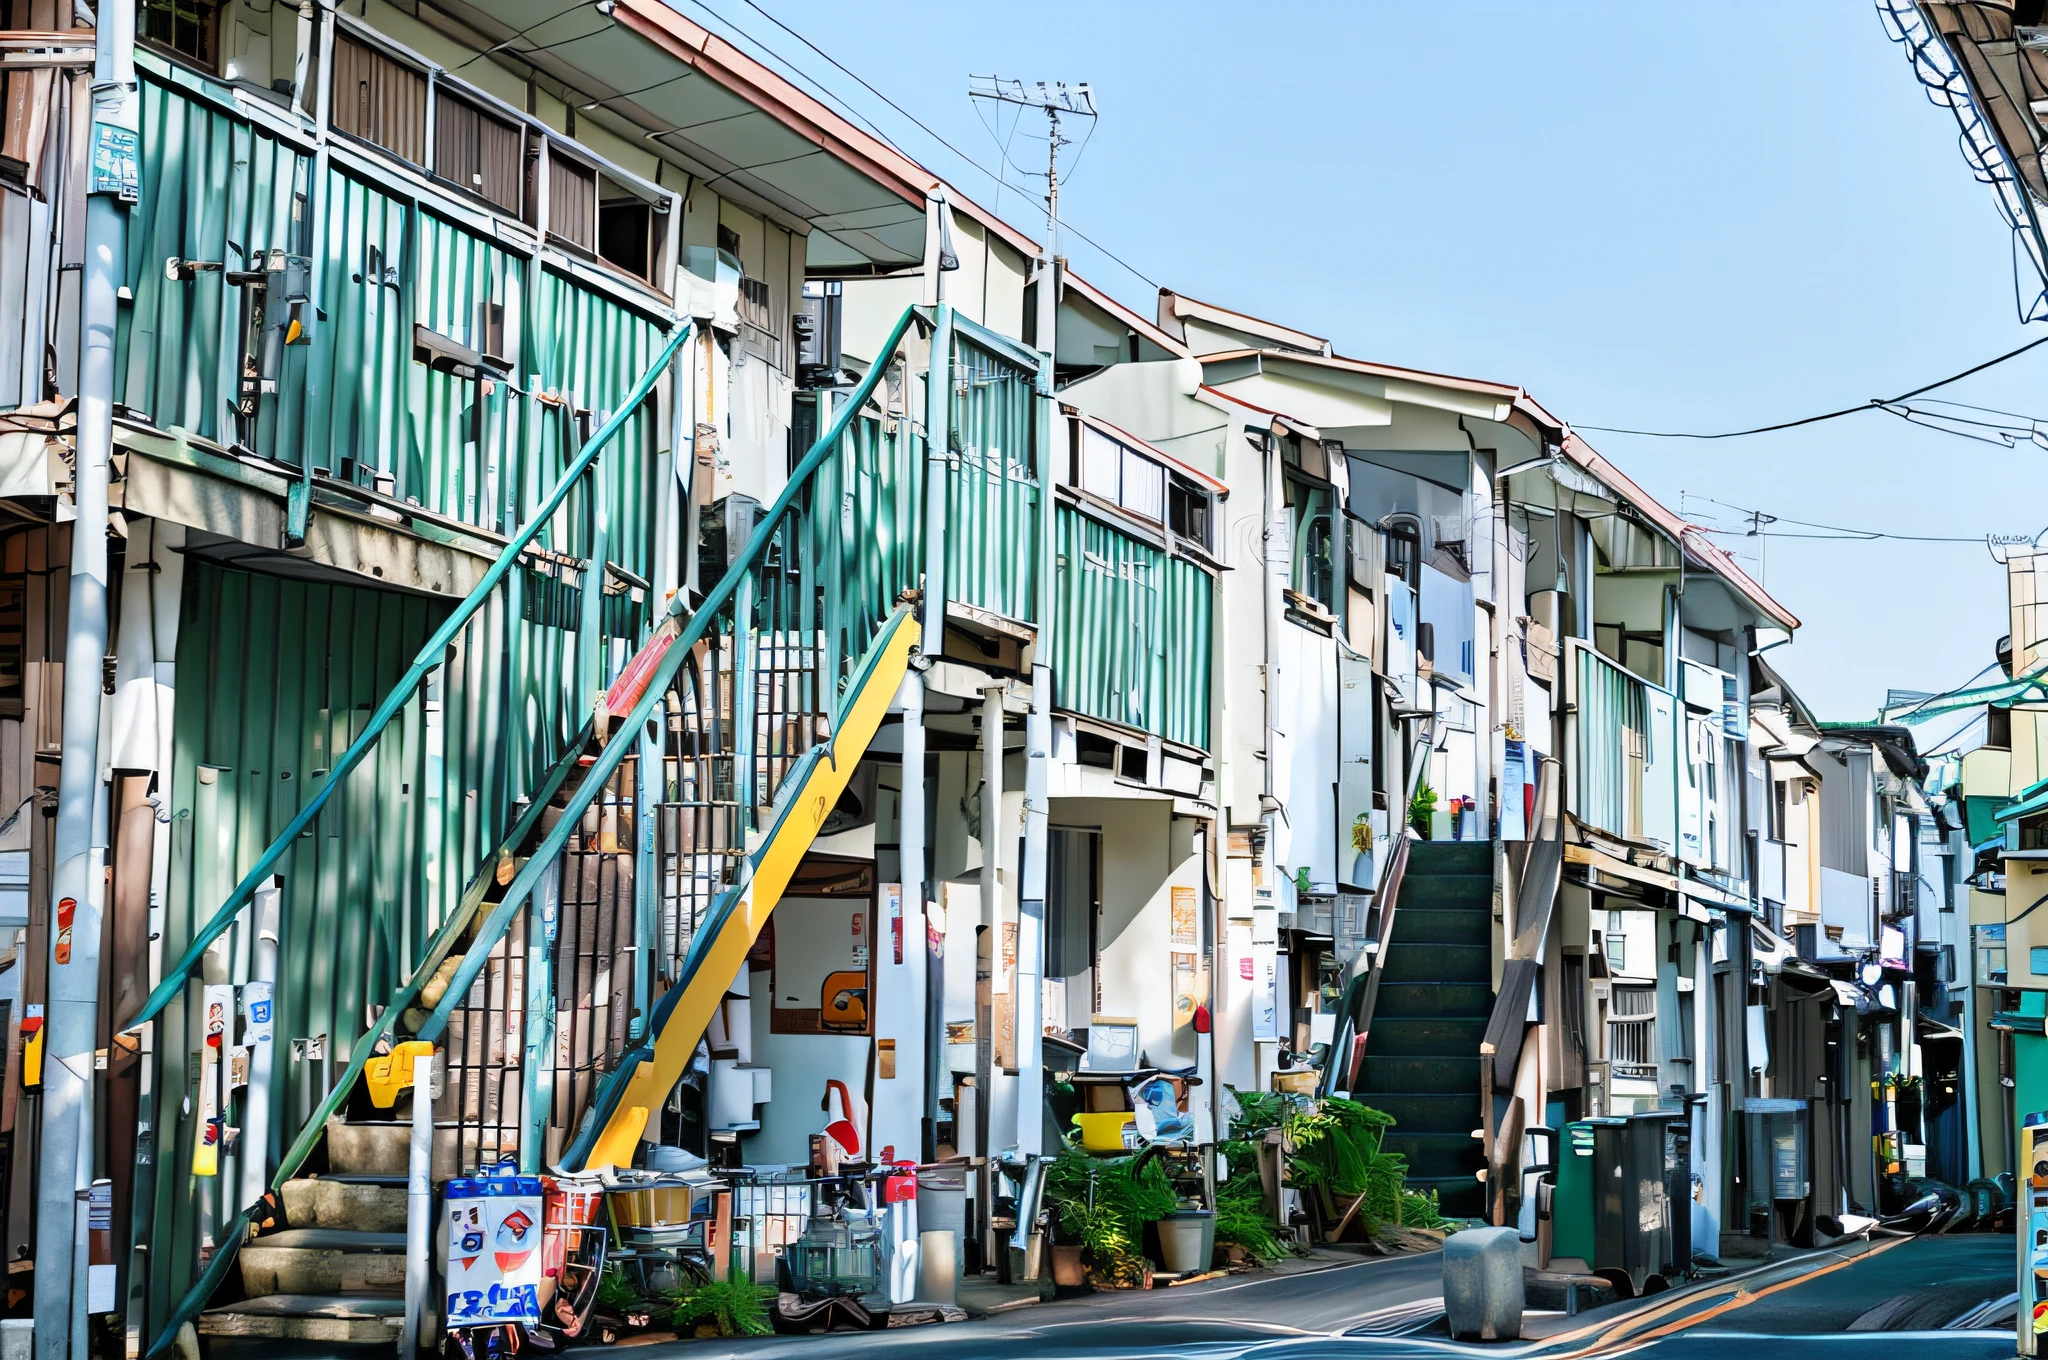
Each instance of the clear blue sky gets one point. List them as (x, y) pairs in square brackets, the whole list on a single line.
[(1694, 218)]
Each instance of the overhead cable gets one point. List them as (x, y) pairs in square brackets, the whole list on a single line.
[(1875, 403)]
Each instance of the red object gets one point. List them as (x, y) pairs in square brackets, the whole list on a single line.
[(632, 681), (843, 1133), (567, 1207), (900, 1186), (1201, 1019)]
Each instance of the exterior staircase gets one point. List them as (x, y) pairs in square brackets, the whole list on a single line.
[(336, 1275), (763, 695), (1435, 996)]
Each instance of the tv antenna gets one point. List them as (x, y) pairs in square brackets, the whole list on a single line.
[(1056, 101)]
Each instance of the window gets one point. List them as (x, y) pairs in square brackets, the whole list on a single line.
[(380, 100), (625, 237), (572, 202), (189, 28), (1404, 551), (1312, 562), (1188, 508), (1632, 1032), (480, 153), (1123, 476), (1617, 949)]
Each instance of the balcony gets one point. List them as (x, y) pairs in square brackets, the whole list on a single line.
[(1622, 751), (417, 313)]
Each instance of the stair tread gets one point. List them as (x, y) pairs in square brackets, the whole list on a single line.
[(331, 1239), (320, 1305)]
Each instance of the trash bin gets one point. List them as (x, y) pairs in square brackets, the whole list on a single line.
[(1571, 1202), (1678, 1196), (1187, 1241), (942, 1207), (938, 1268), (1631, 1198)]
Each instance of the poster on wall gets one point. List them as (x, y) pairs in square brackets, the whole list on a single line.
[(1184, 925), (1186, 989), (1514, 823), (823, 965), (1265, 974)]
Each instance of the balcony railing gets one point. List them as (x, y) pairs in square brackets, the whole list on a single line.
[(1622, 751)]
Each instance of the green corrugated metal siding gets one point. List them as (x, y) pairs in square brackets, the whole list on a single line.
[(274, 678), (351, 398), (596, 349), (354, 404), (992, 485), (1134, 635), (213, 189)]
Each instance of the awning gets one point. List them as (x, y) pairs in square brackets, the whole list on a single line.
[(2032, 799), (1608, 864), (1715, 897)]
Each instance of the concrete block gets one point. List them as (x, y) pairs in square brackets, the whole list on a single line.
[(17, 1338), (1483, 1284)]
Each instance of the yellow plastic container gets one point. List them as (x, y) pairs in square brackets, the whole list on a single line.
[(1103, 1132)]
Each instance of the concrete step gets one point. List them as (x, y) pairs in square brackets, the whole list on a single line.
[(1394, 1036), (1457, 1196), (378, 1148), (1436, 1154), (1473, 891), (324, 1202), (1447, 1074), (351, 1319), (1427, 1112), (1461, 999), (323, 1261), (1442, 925), (1437, 963), (1450, 857)]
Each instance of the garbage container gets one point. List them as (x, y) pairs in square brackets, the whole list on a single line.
[(942, 1207), (1571, 1201), (1678, 1195), (1187, 1241), (1631, 1199)]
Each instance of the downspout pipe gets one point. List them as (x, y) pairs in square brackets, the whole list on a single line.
[(1038, 750), (912, 850), (77, 892)]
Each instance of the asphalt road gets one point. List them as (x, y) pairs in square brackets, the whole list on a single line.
[(1228, 1315), (1889, 1301)]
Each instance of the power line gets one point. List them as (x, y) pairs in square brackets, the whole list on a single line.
[(1835, 532), (1875, 403)]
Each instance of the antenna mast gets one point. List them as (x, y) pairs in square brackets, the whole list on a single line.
[(1060, 98)]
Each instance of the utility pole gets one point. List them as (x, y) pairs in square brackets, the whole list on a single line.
[(77, 892), (1028, 995)]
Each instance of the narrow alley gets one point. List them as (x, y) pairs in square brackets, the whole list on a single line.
[(631, 718)]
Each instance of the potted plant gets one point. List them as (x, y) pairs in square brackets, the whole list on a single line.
[(1100, 1207), (1422, 810)]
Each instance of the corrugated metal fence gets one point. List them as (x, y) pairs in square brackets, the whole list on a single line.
[(993, 483), (353, 398), (1133, 640)]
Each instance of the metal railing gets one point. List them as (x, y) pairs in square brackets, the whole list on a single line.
[(761, 667), (380, 1023)]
